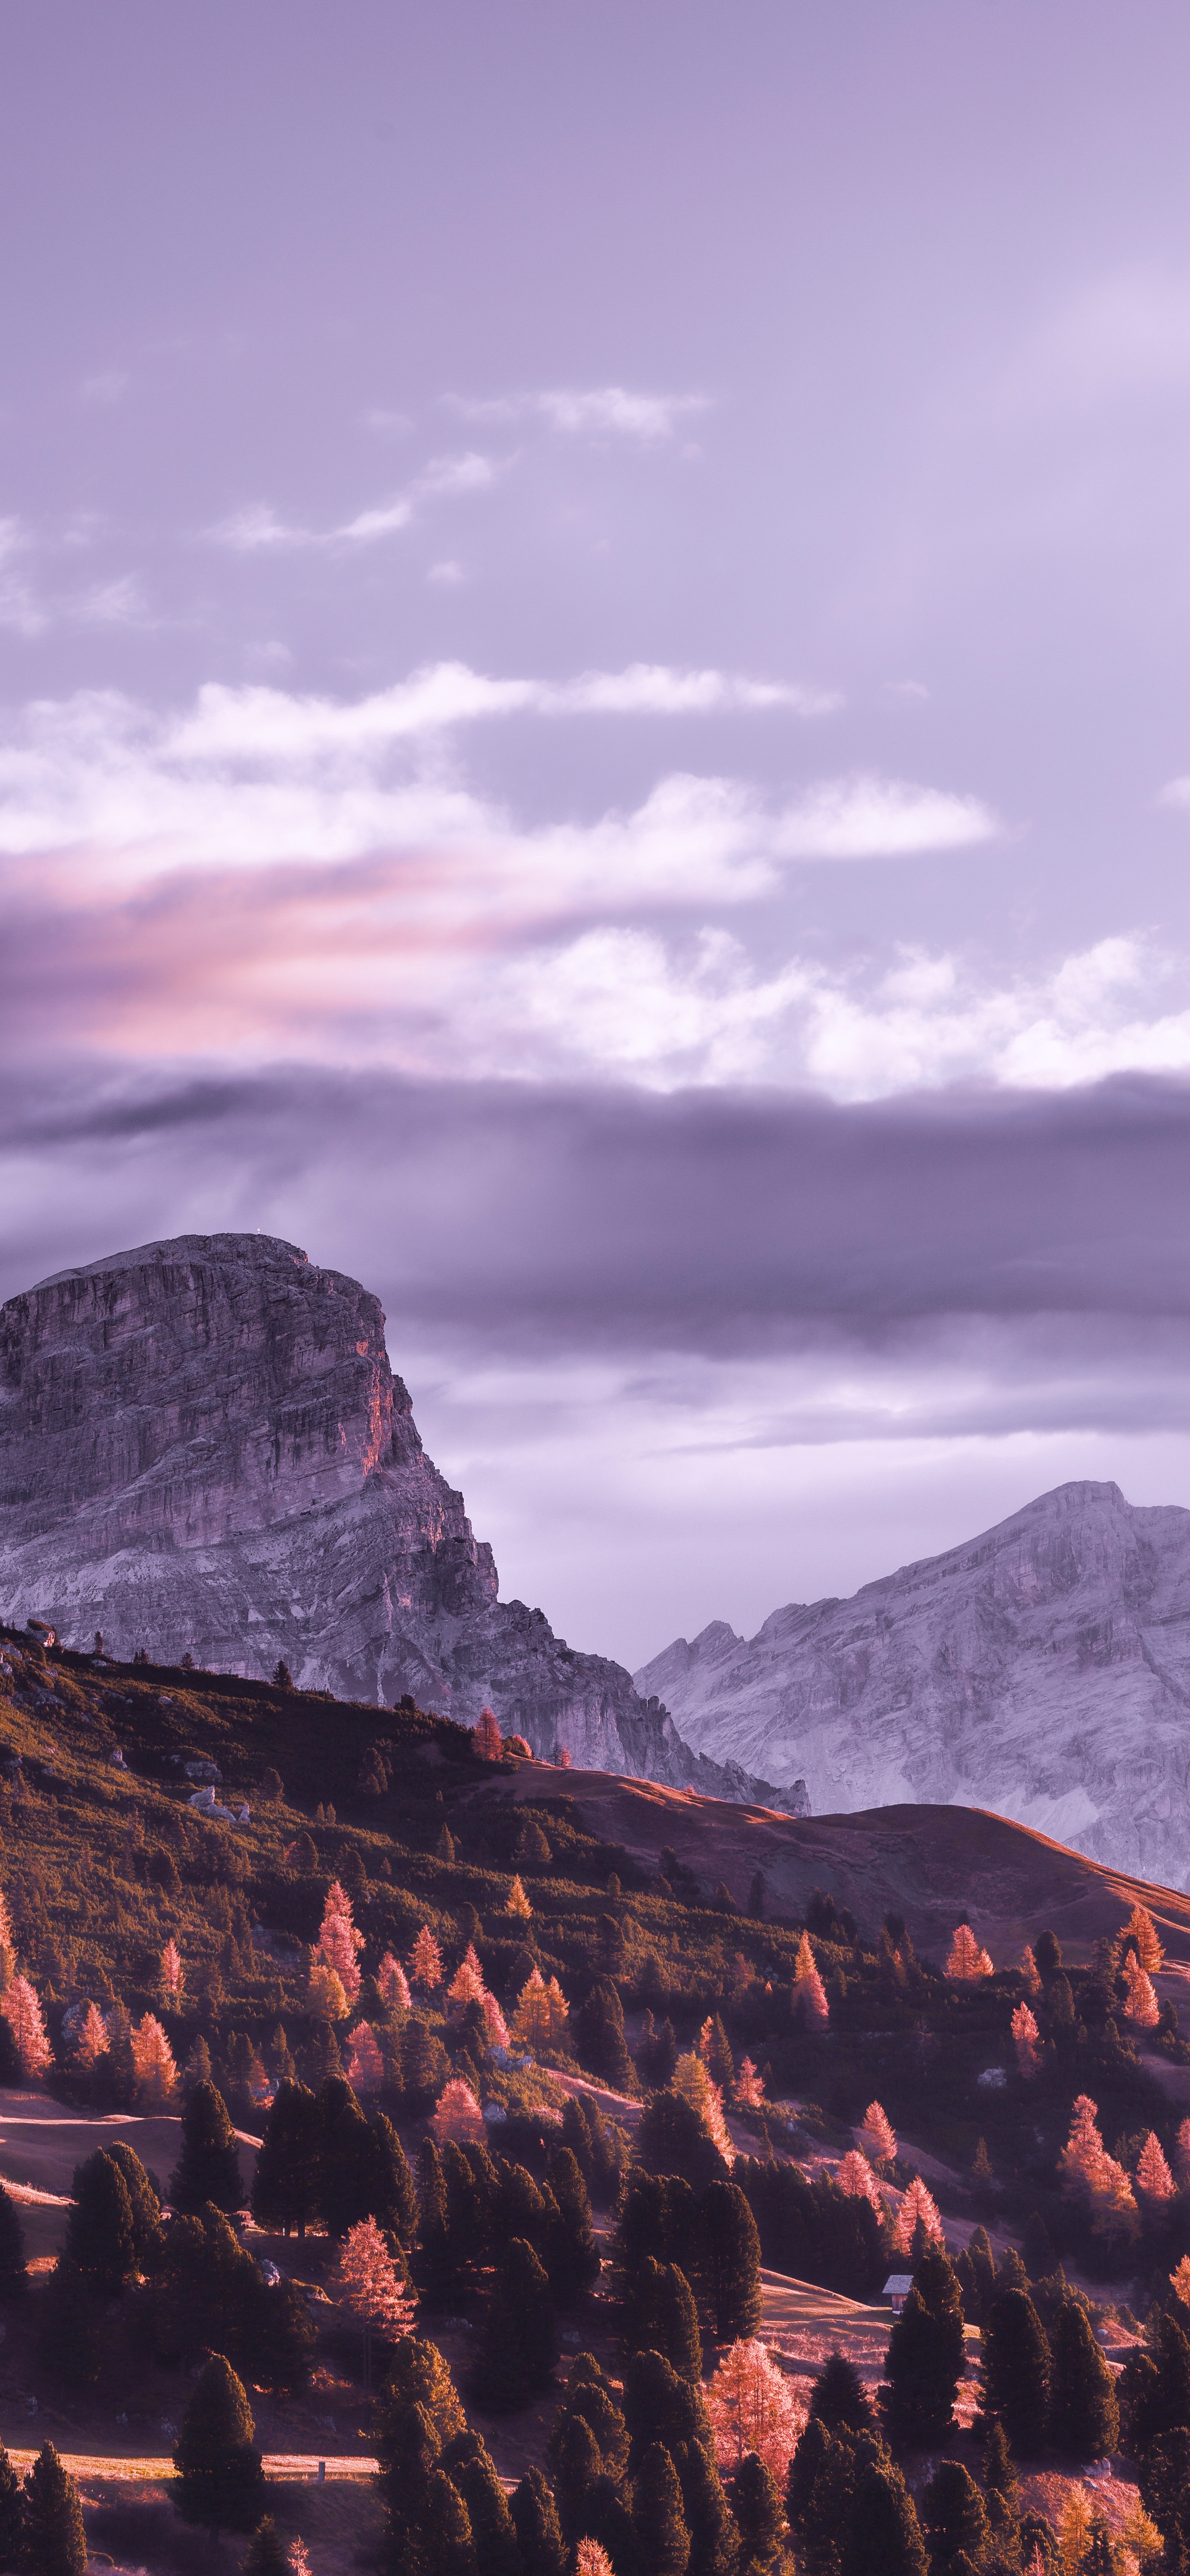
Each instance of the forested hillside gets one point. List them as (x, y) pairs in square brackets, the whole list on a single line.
[(538, 2108)]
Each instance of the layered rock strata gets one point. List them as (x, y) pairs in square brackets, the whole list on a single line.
[(203, 1449)]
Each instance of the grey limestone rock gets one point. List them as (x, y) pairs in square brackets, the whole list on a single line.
[(1042, 1670), (203, 1448)]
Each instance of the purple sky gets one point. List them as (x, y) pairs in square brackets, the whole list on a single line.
[(593, 629)]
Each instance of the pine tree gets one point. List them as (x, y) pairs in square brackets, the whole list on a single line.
[(23, 2013), (284, 2186), (714, 2539), (730, 2261), (1032, 1982), (1016, 2367), (220, 2481), (659, 2406), (365, 2065), (54, 2540), (392, 1985), (1025, 2037), (1153, 2176), (574, 2255), (153, 2062), (748, 2091), (953, 2518), (72, 2339), (857, 2181), (425, 1961), (693, 2083), (100, 2236), (839, 2399), (471, 2469), (171, 1973), (808, 1997), (922, 2374), (143, 2202), (918, 2209), (539, 2535), (658, 2516), (458, 2115), (876, 2135), (370, 2284), (756, 2504), (885, 2535), (1141, 2006), (600, 2031), (12, 2513), (362, 2171), (486, 1736), (518, 2345), (660, 2316), (1084, 2415), (966, 1960), (267, 2553), (576, 2466), (208, 2167), (1141, 1929), (418, 2377), (753, 2409), (518, 1903), (91, 2043), (14, 2277), (820, 2496)]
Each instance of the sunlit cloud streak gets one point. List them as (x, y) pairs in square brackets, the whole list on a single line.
[(257, 529), (599, 411)]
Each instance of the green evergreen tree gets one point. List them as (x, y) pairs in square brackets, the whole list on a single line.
[(1084, 2415), (820, 2495), (839, 2399), (279, 2337), (284, 2186), (730, 2262), (588, 2395), (954, 2518), (926, 2355), (538, 2531), (54, 2541), (885, 2536), (144, 2200), (14, 2277), (576, 2466), (658, 2514), (1100, 2555), (573, 2256), (1001, 2493), (208, 2167), (1016, 2370), (358, 2171), (419, 2377), (671, 2139), (659, 2315), (714, 2538), (72, 2342), (756, 2505), (220, 2480), (100, 2238), (434, 2262), (1154, 2388), (1165, 2493), (470, 2467), (599, 2033), (267, 2553), (12, 2513), (660, 2405), (447, 2547), (518, 2345)]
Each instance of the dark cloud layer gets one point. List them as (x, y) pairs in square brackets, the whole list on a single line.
[(705, 1222)]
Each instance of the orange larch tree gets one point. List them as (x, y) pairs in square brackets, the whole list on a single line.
[(392, 1985), (752, 2407), (1025, 2036), (876, 2135), (338, 1943), (966, 1959), (425, 1960), (486, 1736), (809, 1994)]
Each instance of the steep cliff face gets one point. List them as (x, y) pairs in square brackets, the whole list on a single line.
[(203, 1448), (1042, 1670)]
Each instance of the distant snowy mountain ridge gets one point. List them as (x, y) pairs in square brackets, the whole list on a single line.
[(1042, 1670)]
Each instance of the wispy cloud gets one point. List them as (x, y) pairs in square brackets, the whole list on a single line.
[(879, 818), (602, 411), (258, 530)]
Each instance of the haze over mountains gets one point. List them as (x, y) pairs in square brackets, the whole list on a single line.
[(1042, 1670), (203, 1449)]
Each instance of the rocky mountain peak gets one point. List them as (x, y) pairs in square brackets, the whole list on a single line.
[(203, 1448), (1041, 1669)]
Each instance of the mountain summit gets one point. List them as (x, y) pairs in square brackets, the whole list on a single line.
[(203, 1448), (1042, 1670)]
